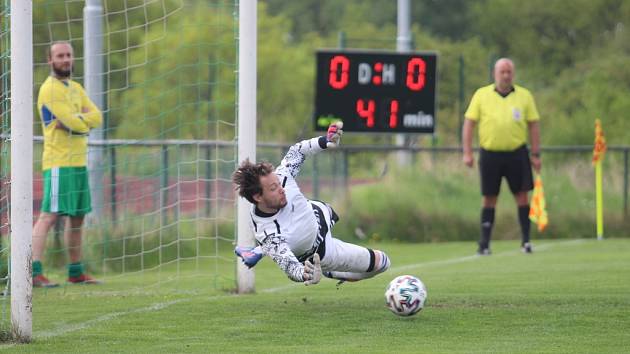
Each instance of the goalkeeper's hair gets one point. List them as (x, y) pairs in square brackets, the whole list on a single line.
[(247, 178)]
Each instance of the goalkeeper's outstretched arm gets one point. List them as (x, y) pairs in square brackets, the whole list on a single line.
[(295, 157), (276, 247)]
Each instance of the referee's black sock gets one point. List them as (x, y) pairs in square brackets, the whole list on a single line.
[(487, 221), (523, 219)]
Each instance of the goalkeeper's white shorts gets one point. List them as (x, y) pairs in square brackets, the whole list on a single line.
[(340, 256)]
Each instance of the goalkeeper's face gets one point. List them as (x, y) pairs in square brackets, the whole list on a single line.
[(61, 59), (272, 197)]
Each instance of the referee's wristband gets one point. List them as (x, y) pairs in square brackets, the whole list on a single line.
[(535, 154)]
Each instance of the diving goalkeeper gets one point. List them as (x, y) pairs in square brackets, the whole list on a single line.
[(297, 232)]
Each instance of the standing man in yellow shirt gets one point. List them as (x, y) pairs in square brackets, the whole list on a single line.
[(67, 116), (506, 113)]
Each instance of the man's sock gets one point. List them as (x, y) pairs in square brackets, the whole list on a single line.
[(487, 221), (523, 219), (37, 268), (75, 269)]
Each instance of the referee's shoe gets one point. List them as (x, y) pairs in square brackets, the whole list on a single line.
[(483, 251)]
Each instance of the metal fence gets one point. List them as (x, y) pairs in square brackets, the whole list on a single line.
[(326, 174), (342, 158)]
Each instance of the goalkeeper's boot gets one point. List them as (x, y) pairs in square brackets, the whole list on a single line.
[(335, 275), (83, 279), (526, 247), (40, 281), (249, 255)]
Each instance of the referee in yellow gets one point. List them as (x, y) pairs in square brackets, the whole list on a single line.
[(67, 116), (506, 113)]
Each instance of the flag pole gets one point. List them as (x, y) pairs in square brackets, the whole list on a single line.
[(599, 200), (599, 149)]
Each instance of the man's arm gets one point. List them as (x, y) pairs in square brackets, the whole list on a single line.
[(276, 247), (62, 111), (91, 115), (295, 157), (534, 140), (65, 118), (467, 138)]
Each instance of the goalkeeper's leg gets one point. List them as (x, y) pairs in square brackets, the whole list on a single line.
[(346, 261)]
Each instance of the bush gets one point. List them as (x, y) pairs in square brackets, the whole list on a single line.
[(442, 203)]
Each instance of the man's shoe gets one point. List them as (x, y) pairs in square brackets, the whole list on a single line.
[(526, 247), (249, 255), (483, 252), (83, 279), (40, 281)]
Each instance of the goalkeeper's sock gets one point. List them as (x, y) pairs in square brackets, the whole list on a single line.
[(75, 270), (37, 268), (487, 221), (523, 219)]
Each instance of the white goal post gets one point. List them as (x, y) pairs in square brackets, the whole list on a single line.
[(246, 125), (21, 172)]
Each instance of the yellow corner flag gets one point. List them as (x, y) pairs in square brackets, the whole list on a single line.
[(598, 155), (537, 209)]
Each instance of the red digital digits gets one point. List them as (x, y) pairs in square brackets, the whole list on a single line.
[(393, 114), (366, 112), (416, 72), (338, 73)]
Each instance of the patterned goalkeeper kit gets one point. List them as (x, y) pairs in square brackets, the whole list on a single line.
[(303, 227)]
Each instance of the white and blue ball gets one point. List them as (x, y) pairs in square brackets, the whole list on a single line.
[(406, 295)]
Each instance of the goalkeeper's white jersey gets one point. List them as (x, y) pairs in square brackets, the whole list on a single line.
[(296, 229)]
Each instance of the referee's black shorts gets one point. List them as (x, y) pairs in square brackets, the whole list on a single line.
[(513, 165)]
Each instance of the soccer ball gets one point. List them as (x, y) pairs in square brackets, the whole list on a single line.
[(405, 295)]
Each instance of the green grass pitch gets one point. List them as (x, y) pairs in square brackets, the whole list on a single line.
[(568, 297)]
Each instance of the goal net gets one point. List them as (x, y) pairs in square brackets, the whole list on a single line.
[(163, 213)]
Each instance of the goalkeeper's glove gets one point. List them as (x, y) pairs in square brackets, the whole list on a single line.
[(333, 136), (312, 271)]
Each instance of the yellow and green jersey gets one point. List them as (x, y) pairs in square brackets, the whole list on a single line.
[(502, 120), (67, 115)]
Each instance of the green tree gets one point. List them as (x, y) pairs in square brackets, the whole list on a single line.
[(546, 37), (597, 87), (325, 17), (180, 82), (286, 73)]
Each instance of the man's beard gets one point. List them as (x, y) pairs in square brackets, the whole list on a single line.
[(62, 73), (279, 205)]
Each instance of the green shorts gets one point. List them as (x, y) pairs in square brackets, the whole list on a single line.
[(67, 191)]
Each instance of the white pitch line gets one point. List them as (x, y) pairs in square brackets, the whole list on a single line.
[(162, 305), (79, 326), (440, 262), (474, 257)]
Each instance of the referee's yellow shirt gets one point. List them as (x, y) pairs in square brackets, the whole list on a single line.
[(67, 115), (502, 120)]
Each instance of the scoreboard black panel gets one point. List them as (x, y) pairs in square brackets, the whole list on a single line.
[(373, 91)]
